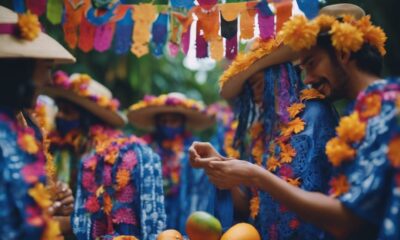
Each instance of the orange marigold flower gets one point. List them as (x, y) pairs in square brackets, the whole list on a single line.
[(123, 177), (398, 104), (349, 19), (295, 109), (294, 181), (52, 230), (371, 106), (29, 26), (254, 206), (394, 151), (107, 204), (111, 156), (325, 21), (272, 164), (372, 34), (41, 195), (346, 37), (258, 151), (311, 93), (295, 126), (350, 128), (287, 153), (339, 185), (338, 151), (298, 33), (28, 143)]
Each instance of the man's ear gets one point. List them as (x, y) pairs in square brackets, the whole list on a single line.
[(344, 57)]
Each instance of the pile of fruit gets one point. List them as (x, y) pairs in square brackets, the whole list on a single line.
[(204, 226)]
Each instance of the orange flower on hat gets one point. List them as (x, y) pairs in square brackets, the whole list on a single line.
[(351, 129), (254, 206), (295, 109), (123, 177), (312, 93), (295, 126), (346, 37), (394, 151), (41, 195), (29, 26), (272, 164), (325, 21), (339, 186), (299, 33), (372, 34), (371, 106), (338, 151)]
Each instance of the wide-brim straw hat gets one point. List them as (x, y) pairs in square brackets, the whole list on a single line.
[(42, 47), (232, 86), (94, 89), (143, 113)]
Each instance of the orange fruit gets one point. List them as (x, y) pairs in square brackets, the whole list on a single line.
[(170, 234), (201, 226), (241, 231)]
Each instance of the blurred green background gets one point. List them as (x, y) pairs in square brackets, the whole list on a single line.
[(130, 78)]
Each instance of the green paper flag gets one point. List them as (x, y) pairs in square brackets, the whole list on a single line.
[(54, 11)]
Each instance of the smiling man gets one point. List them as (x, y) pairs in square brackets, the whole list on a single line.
[(342, 58)]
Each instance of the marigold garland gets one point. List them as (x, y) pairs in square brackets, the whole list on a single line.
[(244, 61), (351, 129), (281, 158), (370, 106), (338, 151), (348, 35)]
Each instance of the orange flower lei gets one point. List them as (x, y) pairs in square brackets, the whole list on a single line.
[(347, 36), (287, 152), (40, 194), (244, 61)]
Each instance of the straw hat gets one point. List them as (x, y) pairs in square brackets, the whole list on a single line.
[(142, 114), (41, 47), (86, 92), (277, 53)]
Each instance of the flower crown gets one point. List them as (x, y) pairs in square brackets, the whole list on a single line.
[(347, 34), (244, 61), (27, 27), (80, 86), (168, 100)]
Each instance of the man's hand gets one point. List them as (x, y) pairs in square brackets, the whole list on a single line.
[(64, 202)]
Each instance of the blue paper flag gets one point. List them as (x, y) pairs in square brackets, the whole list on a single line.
[(159, 33), (309, 7), (123, 34)]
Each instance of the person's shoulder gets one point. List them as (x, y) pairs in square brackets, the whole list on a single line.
[(319, 109)]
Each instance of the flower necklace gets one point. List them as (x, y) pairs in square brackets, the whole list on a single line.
[(280, 151), (351, 131), (120, 188), (32, 172)]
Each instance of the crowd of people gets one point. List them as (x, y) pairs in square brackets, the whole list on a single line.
[(281, 158)]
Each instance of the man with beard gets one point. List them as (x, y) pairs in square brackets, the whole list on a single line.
[(342, 58)]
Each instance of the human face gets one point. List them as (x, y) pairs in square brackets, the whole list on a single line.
[(171, 120), (325, 73), (41, 74)]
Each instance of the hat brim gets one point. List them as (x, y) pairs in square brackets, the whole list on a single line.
[(233, 86), (115, 119), (42, 47), (145, 117)]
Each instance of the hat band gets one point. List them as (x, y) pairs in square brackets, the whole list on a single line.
[(8, 28)]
